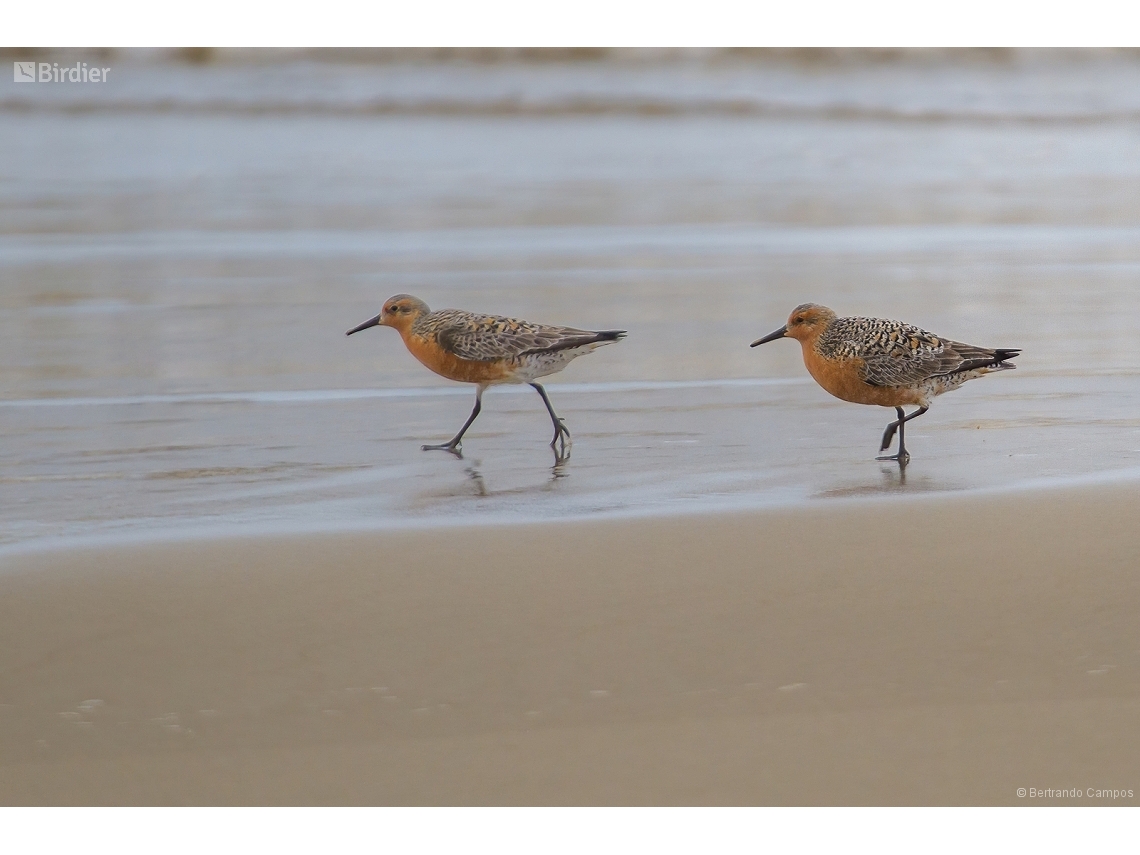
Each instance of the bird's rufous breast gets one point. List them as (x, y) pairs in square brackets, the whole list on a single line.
[(843, 378), (428, 351)]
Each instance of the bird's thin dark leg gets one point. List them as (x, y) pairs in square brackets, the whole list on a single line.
[(889, 433), (455, 444), (903, 456), (561, 432)]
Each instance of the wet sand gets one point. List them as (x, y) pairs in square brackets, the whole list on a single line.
[(920, 650), (182, 250)]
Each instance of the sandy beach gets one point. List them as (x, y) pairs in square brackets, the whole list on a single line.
[(942, 650)]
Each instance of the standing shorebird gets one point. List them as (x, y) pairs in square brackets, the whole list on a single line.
[(888, 363), (487, 350)]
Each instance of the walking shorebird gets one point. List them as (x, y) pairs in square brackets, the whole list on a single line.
[(487, 350), (888, 363)]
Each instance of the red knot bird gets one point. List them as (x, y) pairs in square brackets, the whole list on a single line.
[(487, 350), (888, 363)]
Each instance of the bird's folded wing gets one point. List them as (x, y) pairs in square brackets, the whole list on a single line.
[(487, 338), (906, 365), (913, 356)]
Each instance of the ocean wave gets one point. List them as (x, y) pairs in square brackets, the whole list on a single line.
[(899, 86), (568, 107), (769, 56)]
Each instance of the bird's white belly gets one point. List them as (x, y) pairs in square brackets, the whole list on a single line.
[(535, 365), (936, 386)]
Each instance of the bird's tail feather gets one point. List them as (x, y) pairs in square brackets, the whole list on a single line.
[(1000, 357), (587, 338), (610, 335), (990, 360)]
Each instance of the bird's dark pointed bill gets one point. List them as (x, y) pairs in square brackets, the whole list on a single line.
[(772, 336), (371, 322)]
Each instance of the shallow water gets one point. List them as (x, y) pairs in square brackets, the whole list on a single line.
[(182, 250)]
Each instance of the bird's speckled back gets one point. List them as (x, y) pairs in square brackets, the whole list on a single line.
[(896, 353), (488, 338)]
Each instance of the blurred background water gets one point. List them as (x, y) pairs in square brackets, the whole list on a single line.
[(183, 247)]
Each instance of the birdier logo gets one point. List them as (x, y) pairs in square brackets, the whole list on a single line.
[(50, 72)]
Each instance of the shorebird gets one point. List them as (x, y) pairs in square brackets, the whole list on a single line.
[(487, 350), (888, 363)]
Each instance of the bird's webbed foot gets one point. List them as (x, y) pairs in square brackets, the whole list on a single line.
[(902, 458), (455, 448), (561, 442)]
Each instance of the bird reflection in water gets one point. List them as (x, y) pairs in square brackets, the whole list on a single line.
[(894, 480), (558, 471)]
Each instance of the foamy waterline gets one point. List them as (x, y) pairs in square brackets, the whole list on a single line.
[(188, 531), (515, 241), (312, 396)]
